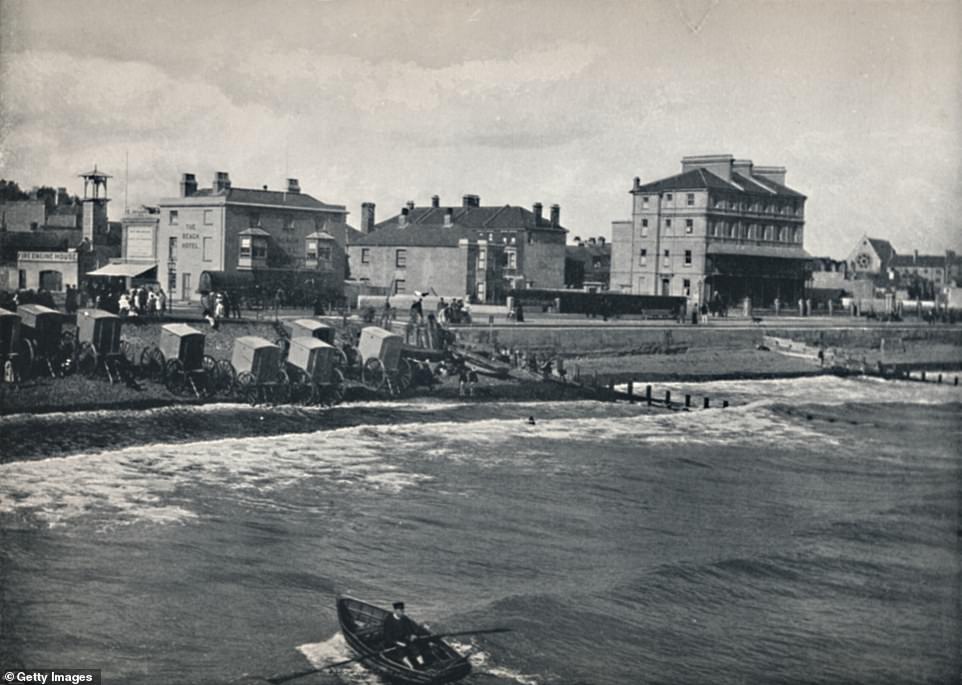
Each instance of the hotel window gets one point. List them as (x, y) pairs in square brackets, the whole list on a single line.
[(324, 253), (687, 257), (668, 197), (208, 249), (401, 259), (365, 255), (490, 237), (643, 257), (690, 199), (686, 287), (689, 225), (312, 249), (172, 249), (732, 230), (511, 239), (245, 248), (668, 225), (512, 259), (798, 235), (718, 202), (667, 257), (173, 217), (644, 201), (644, 227), (208, 217), (768, 232), (399, 285)]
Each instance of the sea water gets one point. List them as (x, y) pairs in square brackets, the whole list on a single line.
[(809, 532)]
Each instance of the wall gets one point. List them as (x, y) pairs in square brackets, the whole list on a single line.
[(195, 222), (544, 260), (622, 252), (442, 268), (655, 339), (19, 215), (33, 263)]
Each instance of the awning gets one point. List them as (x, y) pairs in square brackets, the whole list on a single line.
[(126, 270)]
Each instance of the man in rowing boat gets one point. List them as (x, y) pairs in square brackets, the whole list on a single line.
[(404, 635)]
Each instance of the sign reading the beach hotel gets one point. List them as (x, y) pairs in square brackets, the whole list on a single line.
[(140, 242), (46, 256)]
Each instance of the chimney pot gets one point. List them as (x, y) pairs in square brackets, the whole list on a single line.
[(293, 186), (221, 182), (435, 201), (367, 217), (536, 209), (188, 185)]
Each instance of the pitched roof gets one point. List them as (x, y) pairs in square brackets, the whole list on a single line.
[(883, 249), (416, 236), (923, 260), (478, 218), (703, 179), (254, 196)]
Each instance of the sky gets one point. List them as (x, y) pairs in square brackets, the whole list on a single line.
[(523, 101)]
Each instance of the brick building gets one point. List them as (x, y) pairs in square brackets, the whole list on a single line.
[(228, 229), (527, 247), (721, 226)]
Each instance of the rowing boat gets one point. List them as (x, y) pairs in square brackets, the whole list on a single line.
[(361, 624)]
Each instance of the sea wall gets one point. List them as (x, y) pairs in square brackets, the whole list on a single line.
[(580, 340)]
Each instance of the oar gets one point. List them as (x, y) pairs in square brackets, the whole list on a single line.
[(301, 674)]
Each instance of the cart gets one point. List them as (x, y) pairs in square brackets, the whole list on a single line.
[(180, 363), (381, 364), (260, 375), (310, 328), (99, 347), (47, 347), (10, 355), (315, 379)]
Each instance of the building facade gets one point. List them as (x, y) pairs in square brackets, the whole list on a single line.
[(588, 264), (228, 229), (529, 248), (721, 227)]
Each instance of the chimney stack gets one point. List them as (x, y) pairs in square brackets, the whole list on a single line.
[(536, 208), (915, 257), (578, 240), (221, 182), (410, 204), (367, 217), (772, 173), (449, 217), (637, 183), (555, 215), (470, 201), (188, 185), (402, 219), (591, 241), (293, 186), (743, 167), (601, 240), (435, 201), (720, 165)]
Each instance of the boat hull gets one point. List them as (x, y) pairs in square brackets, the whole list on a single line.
[(361, 626)]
